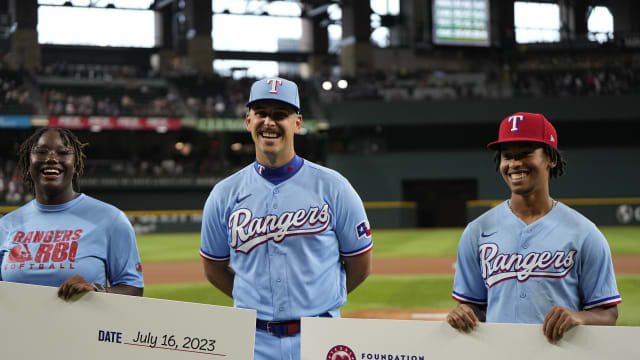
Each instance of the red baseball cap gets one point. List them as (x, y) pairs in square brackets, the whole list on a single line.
[(526, 127)]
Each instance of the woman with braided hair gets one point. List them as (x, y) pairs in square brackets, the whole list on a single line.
[(64, 238)]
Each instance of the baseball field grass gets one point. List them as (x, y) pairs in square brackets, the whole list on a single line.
[(384, 291), (392, 292), (623, 240)]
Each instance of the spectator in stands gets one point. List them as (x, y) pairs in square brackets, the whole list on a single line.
[(14, 190), (14, 96), (3, 185), (93, 242)]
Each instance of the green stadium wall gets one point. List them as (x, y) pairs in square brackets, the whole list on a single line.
[(591, 173), (577, 109)]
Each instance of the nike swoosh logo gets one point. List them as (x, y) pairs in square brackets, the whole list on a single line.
[(240, 199), (487, 235)]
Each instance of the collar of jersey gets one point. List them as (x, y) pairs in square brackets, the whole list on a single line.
[(58, 207), (281, 173)]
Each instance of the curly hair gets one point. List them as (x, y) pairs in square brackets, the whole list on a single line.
[(68, 138), (553, 154)]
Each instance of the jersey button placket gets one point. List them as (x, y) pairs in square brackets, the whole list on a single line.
[(275, 198), (521, 303), (524, 239), (278, 285), (521, 292)]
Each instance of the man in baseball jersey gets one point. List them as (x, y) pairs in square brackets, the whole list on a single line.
[(284, 236), (532, 259)]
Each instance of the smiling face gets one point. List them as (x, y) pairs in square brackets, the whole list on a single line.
[(525, 168), (52, 168), (273, 125)]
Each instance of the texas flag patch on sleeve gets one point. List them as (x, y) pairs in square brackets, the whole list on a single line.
[(363, 230)]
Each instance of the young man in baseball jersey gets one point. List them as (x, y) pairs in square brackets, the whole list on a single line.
[(532, 259), (284, 236)]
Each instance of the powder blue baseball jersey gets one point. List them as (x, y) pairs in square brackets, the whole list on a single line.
[(47, 244), (284, 237), (521, 271)]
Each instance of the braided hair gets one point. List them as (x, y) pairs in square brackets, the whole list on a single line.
[(68, 138)]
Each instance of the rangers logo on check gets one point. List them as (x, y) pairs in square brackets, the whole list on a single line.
[(341, 352)]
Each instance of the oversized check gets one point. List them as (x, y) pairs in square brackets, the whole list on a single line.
[(36, 324), (366, 339)]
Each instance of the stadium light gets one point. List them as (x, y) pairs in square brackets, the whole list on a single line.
[(236, 147), (186, 150)]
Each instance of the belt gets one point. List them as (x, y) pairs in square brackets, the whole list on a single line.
[(283, 328)]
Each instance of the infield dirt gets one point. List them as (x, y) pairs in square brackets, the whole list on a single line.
[(191, 271)]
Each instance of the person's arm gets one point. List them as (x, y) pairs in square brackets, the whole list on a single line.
[(561, 319), (357, 269), (124, 289), (469, 288), (123, 260), (1, 256), (466, 316), (220, 274), (78, 285), (597, 284)]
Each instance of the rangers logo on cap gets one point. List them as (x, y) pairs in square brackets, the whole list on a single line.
[(526, 127), (274, 85)]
